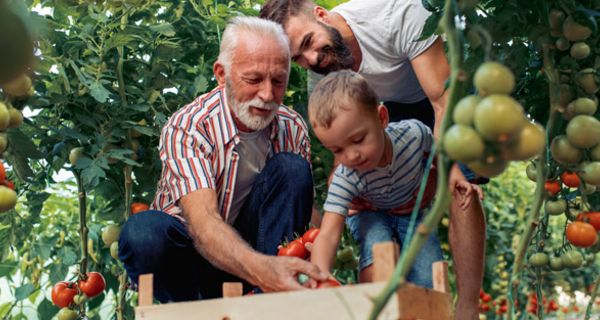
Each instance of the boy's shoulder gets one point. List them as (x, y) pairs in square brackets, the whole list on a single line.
[(410, 126)]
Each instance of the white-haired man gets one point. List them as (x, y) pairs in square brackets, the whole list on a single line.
[(225, 198)]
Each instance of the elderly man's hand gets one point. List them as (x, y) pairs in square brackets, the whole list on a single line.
[(281, 274)]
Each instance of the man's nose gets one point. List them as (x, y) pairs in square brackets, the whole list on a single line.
[(265, 92), (311, 57)]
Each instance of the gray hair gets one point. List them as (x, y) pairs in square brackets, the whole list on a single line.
[(238, 25)]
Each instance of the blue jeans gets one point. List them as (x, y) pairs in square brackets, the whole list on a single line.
[(279, 204), (371, 227)]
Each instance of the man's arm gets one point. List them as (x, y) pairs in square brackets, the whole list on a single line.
[(432, 70), (223, 247)]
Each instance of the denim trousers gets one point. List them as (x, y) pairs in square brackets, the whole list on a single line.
[(278, 206)]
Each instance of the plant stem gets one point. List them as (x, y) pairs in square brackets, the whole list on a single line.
[(588, 310), (442, 199), (83, 233)]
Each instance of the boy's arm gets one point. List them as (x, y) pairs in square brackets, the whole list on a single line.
[(325, 246)]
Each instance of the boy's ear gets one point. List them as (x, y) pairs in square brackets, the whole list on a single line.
[(321, 14), (219, 72), (384, 116)]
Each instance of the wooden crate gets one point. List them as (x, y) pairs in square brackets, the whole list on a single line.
[(347, 302)]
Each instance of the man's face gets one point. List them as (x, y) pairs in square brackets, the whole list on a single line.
[(256, 81), (317, 46)]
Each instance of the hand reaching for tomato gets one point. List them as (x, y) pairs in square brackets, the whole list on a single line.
[(282, 273)]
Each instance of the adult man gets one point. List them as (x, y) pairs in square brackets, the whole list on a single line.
[(377, 38), (228, 159)]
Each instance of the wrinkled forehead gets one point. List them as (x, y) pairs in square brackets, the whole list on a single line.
[(254, 44)]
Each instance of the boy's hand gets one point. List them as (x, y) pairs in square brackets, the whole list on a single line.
[(464, 193)]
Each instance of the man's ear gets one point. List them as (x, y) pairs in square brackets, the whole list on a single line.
[(219, 71), (384, 116), (321, 14)]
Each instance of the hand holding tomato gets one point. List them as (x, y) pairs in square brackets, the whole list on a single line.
[(282, 274)]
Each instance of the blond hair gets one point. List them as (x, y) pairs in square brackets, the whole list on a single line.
[(340, 90)]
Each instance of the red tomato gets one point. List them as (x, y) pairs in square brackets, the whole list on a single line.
[(93, 285), (2, 173), (581, 234), (552, 186), (310, 235), (570, 179), (63, 293), (486, 298), (481, 293), (293, 249), (592, 218), (138, 207), (329, 283), (9, 184), (484, 307)]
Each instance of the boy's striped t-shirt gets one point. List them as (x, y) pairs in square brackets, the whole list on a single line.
[(386, 187)]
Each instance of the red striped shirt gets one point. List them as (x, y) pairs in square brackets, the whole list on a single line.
[(197, 150)]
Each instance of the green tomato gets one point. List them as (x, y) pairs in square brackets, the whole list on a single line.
[(563, 151), (531, 172), (583, 131), (590, 173), (538, 260), (462, 143), (499, 118), (556, 264), (110, 234), (464, 109), (66, 314), (555, 208), (494, 78)]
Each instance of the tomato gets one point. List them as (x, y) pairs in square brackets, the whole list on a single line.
[(530, 142), (310, 235), (590, 173), (582, 106), (110, 234), (114, 250), (75, 154), (563, 151), (93, 285), (66, 314), (570, 179), (8, 198), (4, 116), (556, 18), (464, 109), (581, 234), (595, 153), (586, 79), (572, 259), (17, 44), (293, 249), (562, 44), (583, 131), (2, 173), (556, 264), (63, 293), (488, 169), (531, 172), (16, 118), (346, 254), (329, 283), (552, 187), (538, 259), (486, 298), (462, 143), (499, 118), (139, 207), (580, 50), (555, 208), (592, 218), (20, 86), (574, 31), (493, 78)]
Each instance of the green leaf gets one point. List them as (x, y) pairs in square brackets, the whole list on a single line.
[(119, 40), (7, 267), (58, 272), (99, 92), (68, 255), (71, 133), (200, 85), (20, 165), (46, 309), (23, 144), (24, 291), (91, 176), (44, 250), (166, 29), (431, 25), (4, 309), (5, 234), (33, 297)]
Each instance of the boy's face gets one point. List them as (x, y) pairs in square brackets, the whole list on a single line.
[(356, 139)]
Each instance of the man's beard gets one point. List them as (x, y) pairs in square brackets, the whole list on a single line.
[(339, 54), (241, 110)]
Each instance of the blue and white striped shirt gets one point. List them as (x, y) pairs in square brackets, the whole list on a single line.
[(389, 187)]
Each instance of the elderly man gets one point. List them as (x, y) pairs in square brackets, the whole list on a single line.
[(378, 39), (225, 198)]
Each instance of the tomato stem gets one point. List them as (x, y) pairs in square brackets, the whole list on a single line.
[(588, 310), (83, 233)]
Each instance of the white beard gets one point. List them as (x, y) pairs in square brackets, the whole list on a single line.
[(241, 110)]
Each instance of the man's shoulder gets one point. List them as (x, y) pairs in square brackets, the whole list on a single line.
[(203, 107), (286, 115)]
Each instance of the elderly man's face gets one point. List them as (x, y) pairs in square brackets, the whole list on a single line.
[(257, 81)]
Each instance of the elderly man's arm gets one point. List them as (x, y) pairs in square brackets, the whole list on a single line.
[(223, 247), (432, 70)]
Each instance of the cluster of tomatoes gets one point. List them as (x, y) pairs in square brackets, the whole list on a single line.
[(549, 306), (299, 248), (490, 129), (67, 295), (8, 196), (487, 304)]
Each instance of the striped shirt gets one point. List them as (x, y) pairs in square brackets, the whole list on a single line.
[(197, 150), (387, 187)]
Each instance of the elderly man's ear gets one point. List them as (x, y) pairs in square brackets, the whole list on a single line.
[(219, 71)]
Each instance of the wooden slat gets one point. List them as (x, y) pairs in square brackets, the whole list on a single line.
[(232, 289), (385, 255), (421, 303), (439, 269), (341, 303), (145, 289)]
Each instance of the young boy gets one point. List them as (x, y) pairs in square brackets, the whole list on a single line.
[(381, 163)]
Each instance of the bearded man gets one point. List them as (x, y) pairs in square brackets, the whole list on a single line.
[(225, 199)]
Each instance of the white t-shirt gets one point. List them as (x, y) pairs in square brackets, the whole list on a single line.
[(386, 31), (253, 150)]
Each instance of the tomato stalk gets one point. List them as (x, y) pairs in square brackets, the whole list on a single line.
[(83, 233), (442, 199), (588, 310), (541, 166)]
